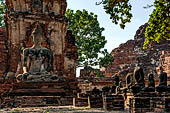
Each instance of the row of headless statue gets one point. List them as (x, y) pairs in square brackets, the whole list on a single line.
[(140, 82), (139, 85)]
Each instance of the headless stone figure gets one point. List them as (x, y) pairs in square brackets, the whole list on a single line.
[(37, 59), (139, 77), (151, 84), (119, 88), (96, 91), (163, 83), (116, 84), (129, 82), (106, 90)]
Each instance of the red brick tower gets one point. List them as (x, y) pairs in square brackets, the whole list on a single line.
[(21, 17)]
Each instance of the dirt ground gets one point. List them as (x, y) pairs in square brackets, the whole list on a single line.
[(56, 110)]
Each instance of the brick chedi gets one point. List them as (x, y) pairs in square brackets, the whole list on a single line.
[(20, 19), (38, 55), (130, 54)]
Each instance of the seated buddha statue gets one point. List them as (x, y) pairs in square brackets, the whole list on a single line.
[(116, 84), (38, 61), (162, 87), (129, 82), (151, 84), (139, 78)]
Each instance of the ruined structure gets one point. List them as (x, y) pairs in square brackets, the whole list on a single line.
[(150, 93), (38, 55), (38, 64), (148, 59)]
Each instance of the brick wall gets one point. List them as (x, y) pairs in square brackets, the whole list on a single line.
[(3, 52)]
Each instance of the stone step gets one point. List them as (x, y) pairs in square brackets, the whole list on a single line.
[(36, 101), (38, 92)]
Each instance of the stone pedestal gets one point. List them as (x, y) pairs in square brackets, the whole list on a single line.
[(36, 101), (113, 102), (128, 96), (96, 101), (38, 94), (150, 102), (162, 102), (82, 100)]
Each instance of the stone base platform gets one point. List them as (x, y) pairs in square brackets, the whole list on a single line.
[(113, 102), (82, 100), (150, 102), (38, 94), (36, 101), (96, 101)]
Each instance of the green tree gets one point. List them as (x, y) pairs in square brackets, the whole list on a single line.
[(89, 39), (119, 11), (2, 11), (159, 23)]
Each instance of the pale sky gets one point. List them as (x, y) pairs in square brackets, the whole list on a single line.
[(114, 35)]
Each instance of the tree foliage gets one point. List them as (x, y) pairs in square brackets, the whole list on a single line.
[(2, 11), (89, 38), (119, 11), (159, 23)]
